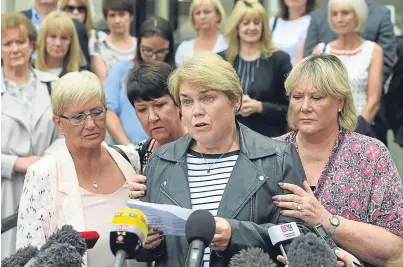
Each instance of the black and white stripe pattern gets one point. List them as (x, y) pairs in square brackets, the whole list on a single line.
[(246, 72), (207, 188)]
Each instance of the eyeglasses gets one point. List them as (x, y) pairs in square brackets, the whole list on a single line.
[(81, 118), (148, 52), (71, 9)]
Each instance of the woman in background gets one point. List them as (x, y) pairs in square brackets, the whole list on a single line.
[(289, 29), (155, 43), (27, 130), (58, 49), (363, 58), (261, 67), (119, 44), (79, 10), (206, 17)]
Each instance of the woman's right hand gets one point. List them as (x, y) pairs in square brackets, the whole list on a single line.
[(137, 187), (154, 238), (22, 163)]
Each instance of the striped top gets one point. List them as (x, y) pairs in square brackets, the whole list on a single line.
[(207, 187), (246, 72)]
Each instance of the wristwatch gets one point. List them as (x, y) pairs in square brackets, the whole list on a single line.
[(334, 222)]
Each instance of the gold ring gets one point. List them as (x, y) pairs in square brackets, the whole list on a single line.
[(299, 207)]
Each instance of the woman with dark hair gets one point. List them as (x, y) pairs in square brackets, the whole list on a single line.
[(119, 44), (156, 109), (155, 43), (293, 20)]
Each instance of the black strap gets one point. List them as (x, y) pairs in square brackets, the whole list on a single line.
[(324, 48), (143, 151), (48, 85), (274, 24), (121, 152)]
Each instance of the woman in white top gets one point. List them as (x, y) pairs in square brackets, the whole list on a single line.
[(85, 181), (363, 58), (291, 26), (119, 44), (206, 17), (58, 50)]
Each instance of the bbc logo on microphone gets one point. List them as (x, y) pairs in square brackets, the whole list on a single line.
[(286, 228)]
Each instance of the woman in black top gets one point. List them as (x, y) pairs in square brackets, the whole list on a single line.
[(155, 107), (261, 68)]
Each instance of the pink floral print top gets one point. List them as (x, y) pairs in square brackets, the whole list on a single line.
[(360, 181)]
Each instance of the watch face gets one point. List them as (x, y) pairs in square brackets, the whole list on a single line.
[(335, 221)]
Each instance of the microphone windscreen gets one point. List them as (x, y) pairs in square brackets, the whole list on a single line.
[(60, 255), (252, 257), (200, 226), (310, 250), (21, 257), (67, 234)]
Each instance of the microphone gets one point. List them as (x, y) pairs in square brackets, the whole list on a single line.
[(310, 250), (90, 237), (59, 255), (252, 257), (21, 257), (128, 234), (67, 235), (199, 230), (280, 234)]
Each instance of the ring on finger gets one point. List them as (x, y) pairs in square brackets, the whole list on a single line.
[(129, 194), (299, 207)]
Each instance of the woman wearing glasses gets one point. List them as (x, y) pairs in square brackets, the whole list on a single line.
[(155, 43), (84, 182)]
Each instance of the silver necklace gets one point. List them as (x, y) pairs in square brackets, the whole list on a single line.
[(94, 183), (208, 165)]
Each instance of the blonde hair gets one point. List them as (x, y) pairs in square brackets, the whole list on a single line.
[(59, 21), (210, 71), (329, 75), (80, 86), (18, 20), (88, 19), (242, 9), (359, 7), (218, 6)]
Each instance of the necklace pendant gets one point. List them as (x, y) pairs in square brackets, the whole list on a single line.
[(208, 170), (95, 185)]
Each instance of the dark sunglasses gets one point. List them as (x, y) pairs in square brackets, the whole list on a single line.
[(80, 9)]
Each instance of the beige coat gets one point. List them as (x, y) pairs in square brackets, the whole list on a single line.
[(18, 140)]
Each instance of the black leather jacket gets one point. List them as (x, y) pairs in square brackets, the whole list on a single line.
[(246, 202)]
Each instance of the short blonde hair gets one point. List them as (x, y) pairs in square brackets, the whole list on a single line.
[(18, 20), (80, 86), (218, 6), (88, 18), (329, 75), (254, 9), (359, 7), (210, 71), (59, 21)]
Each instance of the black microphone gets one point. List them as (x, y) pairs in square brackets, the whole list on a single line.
[(58, 255), (310, 250), (130, 229), (20, 257), (252, 257), (199, 230)]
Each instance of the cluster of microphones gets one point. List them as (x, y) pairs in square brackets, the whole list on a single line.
[(66, 247)]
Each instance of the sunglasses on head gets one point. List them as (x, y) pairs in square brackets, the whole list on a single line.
[(80, 9)]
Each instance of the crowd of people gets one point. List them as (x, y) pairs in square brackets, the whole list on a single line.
[(259, 120)]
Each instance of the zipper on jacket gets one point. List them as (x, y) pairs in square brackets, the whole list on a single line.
[(170, 196)]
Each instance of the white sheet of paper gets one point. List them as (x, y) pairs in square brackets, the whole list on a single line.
[(169, 219)]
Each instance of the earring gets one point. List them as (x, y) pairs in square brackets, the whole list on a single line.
[(63, 134), (339, 109)]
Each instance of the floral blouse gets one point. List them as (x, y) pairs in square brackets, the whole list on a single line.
[(360, 182)]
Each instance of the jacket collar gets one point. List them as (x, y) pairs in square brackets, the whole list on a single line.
[(252, 145)]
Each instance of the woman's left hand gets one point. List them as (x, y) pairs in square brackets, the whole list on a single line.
[(222, 234), (302, 204)]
